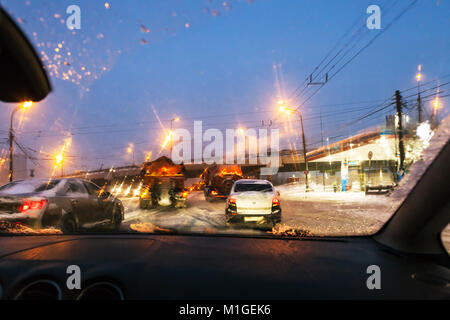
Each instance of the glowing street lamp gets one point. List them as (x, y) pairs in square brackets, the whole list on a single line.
[(436, 107), (436, 103), (130, 150), (27, 104), (149, 156), (418, 77), (288, 111), (23, 106), (59, 161)]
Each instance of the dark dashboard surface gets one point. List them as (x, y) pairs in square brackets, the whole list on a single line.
[(207, 267)]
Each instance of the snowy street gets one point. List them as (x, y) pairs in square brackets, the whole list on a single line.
[(319, 213)]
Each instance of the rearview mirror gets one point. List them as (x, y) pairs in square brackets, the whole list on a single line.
[(23, 77)]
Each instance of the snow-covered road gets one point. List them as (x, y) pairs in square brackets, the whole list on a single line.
[(199, 216), (333, 214)]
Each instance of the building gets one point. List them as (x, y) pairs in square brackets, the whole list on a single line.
[(349, 164)]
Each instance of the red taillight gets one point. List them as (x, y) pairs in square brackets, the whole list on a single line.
[(231, 201), (32, 205), (214, 193), (275, 201)]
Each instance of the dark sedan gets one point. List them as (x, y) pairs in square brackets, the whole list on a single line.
[(68, 204)]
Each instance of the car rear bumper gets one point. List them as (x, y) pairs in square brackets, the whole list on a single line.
[(271, 218)]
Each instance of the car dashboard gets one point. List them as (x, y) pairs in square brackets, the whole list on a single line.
[(213, 267)]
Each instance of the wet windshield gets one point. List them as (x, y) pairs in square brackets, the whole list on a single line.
[(160, 108)]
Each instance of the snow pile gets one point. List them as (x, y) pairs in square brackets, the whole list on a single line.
[(436, 143), (147, 227), (287, 231), (16, 228)]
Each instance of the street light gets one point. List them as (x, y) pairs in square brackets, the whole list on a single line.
[(289, 111), (60, 161), (436, 106), (176, 119), (23, 106), (130, 150)]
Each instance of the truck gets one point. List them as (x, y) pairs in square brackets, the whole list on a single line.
[(218, 180), (162, 184)]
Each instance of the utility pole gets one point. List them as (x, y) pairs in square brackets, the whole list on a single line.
[(304, 153), (288, 111), (419, 102), (11, 142), (398, 103), (23, 106), (321, 137)]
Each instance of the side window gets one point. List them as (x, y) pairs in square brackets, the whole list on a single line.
[(92, 188), (75, 187)]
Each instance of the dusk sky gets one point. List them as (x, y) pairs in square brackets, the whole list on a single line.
[(224, 62)]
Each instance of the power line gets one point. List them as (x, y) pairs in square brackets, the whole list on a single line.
[(358, 52), (355, 34)]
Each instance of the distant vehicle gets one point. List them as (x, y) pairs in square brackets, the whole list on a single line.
[(253, 201), (218, 180), (163, 184), (68, 204)]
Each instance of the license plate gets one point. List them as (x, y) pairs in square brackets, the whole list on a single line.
[(252, 219)]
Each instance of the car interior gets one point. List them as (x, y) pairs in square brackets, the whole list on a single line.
[(408, 250)]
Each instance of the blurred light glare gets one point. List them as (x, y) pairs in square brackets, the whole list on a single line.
[(27, 104), (418, 76), (436, 103), (59, 159)]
